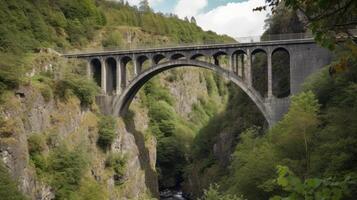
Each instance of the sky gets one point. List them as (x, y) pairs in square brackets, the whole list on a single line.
[(232, 17)]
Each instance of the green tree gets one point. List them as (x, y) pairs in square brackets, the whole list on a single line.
[(312, 188), (107, 129), (144, 6), (328, 19)]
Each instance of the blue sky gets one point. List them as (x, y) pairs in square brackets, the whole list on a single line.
[(232, 17)]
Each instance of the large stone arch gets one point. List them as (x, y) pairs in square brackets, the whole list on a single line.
[(121, 103)]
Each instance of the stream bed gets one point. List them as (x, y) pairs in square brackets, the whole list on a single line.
[(171, 195)]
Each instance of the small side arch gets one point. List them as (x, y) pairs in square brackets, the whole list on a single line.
[(111, 71), (142, 63), (281, 72), (96, 70), (221, 59), (158, 58), (126, 73), (259, 70), (177, 56)]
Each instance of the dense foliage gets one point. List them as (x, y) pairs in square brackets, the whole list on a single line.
[(117, 163), (329, 20), (107, 132)]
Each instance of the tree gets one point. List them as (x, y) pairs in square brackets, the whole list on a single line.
[(193, 20), (144, 6), (313, 188), (329, 20)]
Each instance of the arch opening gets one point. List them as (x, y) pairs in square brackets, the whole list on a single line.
[(122, 103), (239, 63), (158, 59), (281, 73), (111, 70), (200, 57), (178, 56), (127, 71), (143, 62), (260, 71), (221, 59), (96, 71)]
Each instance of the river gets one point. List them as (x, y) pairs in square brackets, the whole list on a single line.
[(171, 195)]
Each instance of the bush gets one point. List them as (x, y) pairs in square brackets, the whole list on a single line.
[(117, 163), (213, 194), (84, 89), (44, 83), (107, 132), (36, 144), (114, 39), (11, 72), (313, 188), (66, 167)]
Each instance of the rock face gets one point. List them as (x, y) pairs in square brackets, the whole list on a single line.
[(28, 113)]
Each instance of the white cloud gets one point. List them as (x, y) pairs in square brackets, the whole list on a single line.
[(189, 8), (234, 19)]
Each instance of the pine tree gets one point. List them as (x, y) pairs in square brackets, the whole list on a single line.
[(193, 20), (144, 6)]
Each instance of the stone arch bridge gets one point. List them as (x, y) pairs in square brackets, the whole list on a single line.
[(121, 74)]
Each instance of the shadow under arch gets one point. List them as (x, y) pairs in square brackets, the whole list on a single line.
[(122, 102)]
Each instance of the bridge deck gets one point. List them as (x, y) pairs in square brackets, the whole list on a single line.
[(187, 48)]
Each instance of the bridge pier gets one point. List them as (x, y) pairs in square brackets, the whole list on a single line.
[(270, 74), (103, 76), (248, 69), (118, 75)]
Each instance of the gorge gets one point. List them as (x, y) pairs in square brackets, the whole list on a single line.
[(94, 105)]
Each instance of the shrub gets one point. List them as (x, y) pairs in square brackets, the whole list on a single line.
[(312, 188), (84, 89), (36, 144), (114, 39), (107, 131), (11, 72), (67, 168), (117, 163), (213, 194)]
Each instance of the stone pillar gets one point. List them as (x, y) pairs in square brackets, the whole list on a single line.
[(231, 64), (89, 70), (248, 69), (216, 61), (118, 76), (136, 65), (104, 76), (270, 75)]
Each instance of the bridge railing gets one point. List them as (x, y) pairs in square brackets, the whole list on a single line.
[(251, 39), (275, 37)]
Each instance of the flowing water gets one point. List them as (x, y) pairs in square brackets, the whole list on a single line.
[(171, 195)]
